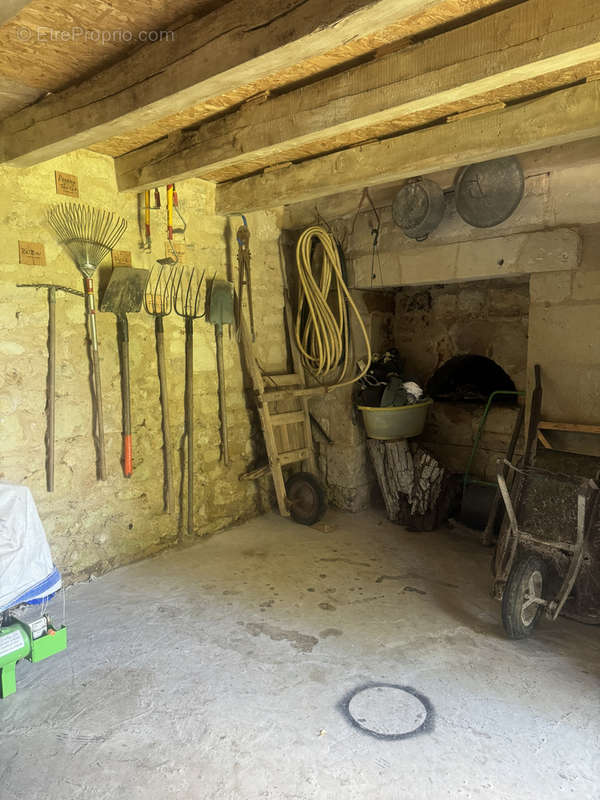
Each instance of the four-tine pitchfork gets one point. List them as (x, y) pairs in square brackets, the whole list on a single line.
[(186, 301), (158, 302)]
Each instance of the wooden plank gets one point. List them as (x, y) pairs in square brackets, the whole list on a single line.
[(293, 456), (521, 51), (543, 440), (234, 46), (287, 418), (291, 379), (286, 394), (571, 427), (473, 112), (564, 116)]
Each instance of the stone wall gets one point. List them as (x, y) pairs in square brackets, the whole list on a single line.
[(344, 463), (91, 525), (486, 318), (564, 338)]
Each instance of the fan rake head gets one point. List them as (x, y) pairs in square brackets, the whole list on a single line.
[(186, 294), (88, 233), (158, 298)]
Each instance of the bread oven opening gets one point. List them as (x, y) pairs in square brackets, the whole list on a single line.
[(470, 378)]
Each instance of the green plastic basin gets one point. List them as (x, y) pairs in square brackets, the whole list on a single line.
[(395, 422)]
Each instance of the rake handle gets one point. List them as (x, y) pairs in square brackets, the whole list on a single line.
[(159, 332), (88, 288)]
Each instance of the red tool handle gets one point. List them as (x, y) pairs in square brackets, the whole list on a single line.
[(127, 456)]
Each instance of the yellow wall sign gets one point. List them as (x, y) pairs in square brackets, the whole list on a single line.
[(121, 258), (67, 184), (32, 253)]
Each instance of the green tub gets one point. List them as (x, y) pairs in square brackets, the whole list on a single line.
[(395, 422)]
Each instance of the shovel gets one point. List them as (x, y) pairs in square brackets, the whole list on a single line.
[(124, 294), (220, 312)]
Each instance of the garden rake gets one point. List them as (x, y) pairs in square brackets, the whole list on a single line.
[(89, 234), (186, 301)]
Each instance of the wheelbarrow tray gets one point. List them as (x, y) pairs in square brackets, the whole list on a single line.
[(550, 514)]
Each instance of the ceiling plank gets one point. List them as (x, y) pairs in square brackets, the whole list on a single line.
[(564, 116), (521, 51), (231, 47)]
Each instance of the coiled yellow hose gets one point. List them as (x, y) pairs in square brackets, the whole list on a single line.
[(322, 328)]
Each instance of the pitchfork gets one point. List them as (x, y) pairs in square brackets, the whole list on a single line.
[(158, 302), (186, 302)]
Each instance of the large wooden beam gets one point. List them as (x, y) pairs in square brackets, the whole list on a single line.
[(524, 49), (234, 46), (564, 116)]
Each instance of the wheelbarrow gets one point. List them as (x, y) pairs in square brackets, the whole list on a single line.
[(551, 530)]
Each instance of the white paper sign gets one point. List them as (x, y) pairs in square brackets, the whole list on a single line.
[(11, 642)]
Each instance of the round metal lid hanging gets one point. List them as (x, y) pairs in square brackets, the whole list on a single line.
[(488, 193), (418, 208)]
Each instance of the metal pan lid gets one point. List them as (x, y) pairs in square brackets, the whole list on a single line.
[(488, 193)]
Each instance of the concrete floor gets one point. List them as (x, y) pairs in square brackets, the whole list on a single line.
[(218, 672)]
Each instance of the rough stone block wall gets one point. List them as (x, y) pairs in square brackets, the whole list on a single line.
[(564, 336), (93, 526), (486, 318)]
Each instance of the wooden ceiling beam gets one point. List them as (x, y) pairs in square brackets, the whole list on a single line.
[(519, 51), (234, 46), (564, 116)]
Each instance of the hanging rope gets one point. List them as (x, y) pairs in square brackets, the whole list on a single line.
[(322, 329)]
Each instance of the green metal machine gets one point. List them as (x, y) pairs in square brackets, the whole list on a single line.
[(34, 641)]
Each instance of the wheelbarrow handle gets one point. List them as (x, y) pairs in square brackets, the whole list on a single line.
[(500, 464)]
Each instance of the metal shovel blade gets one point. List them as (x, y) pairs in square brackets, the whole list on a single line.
[(220, 304), (125, 290)]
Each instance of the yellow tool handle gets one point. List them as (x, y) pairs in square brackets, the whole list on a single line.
[(170, 210)]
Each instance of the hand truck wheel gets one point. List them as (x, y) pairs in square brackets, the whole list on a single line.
[(306, 498), (524, 589)]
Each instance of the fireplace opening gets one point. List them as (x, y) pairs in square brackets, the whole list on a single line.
[(470, 378)]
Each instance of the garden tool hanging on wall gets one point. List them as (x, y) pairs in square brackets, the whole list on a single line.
[(51, 379), (186, 301), (89, 234), (145, 230), (172, 205), (220, 312), (244, 276), (158, 302), (124, 294)]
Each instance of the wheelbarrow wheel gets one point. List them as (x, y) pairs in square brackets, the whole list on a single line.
[(524, 587), (306, 498)]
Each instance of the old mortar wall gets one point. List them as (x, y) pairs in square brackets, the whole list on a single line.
[(93, 526)]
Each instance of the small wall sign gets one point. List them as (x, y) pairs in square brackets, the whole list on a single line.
[(67, 184), (121, 258), (32, 253)]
